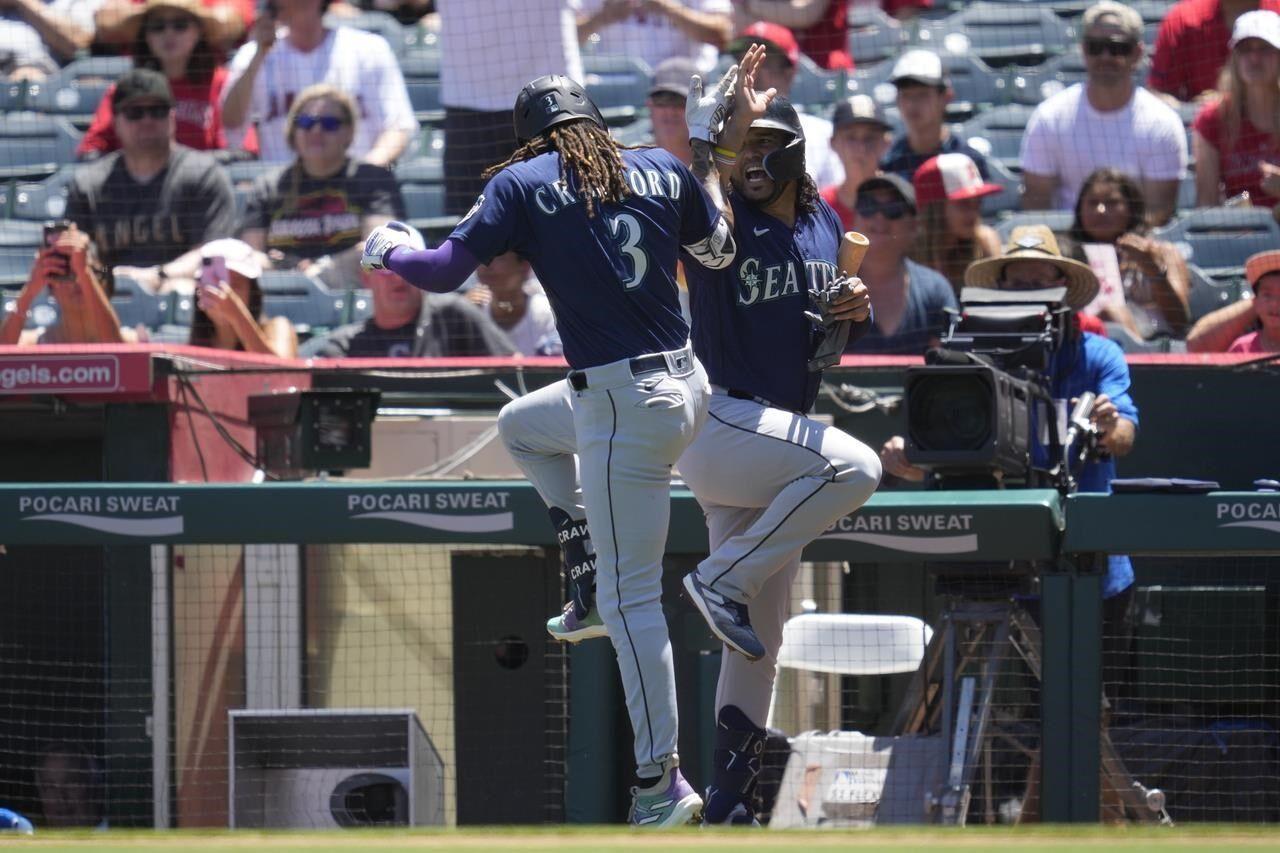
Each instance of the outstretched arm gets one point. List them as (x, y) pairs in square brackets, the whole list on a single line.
[(439, 270)]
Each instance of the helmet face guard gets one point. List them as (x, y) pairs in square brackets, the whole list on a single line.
[(787, 163), (551, 100)]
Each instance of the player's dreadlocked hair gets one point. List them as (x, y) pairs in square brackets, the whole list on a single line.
[(806, 196), (586, 148)]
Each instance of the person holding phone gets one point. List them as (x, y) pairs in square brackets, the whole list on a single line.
[(228, 312), (67, 267)]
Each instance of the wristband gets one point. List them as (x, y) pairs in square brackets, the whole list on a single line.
[(724, 156)]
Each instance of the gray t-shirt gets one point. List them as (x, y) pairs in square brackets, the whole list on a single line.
[(928, 294), (141, 224)]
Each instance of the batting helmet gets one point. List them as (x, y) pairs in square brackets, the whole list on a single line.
[(787, 163), (551, 100)]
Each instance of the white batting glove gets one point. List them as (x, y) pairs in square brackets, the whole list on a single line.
[(383, 239), (705, 114)]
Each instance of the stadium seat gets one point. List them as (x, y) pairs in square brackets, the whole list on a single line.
[(1218, 238), (976, 86), (873, 81), (34, 146), (44, 309), (423, 201), (1001, 34), (137, 306), (1007, 201), (1059, 222), (13, 95), (997, 134), (873, 36), (421, 70), (1032, 85), (1152, 12), (44, 200), (307, 303), (815, 89), (1061, 8), (1209, 293), (77, 89), (360, 303), (15, 264), (244, 173), (617, 84), (374, 22)]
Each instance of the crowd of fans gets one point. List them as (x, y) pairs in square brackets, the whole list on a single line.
[(326, 107)]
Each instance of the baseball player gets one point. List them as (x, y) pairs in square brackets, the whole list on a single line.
[(769, 478), (601, 226)]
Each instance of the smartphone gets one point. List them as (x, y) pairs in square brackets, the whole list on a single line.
[(54, 230), (213, 271)]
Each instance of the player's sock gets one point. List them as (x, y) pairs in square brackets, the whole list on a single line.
[(579, 557), (735, 768)]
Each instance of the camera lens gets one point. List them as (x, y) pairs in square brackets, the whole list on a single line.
[(950, 413)]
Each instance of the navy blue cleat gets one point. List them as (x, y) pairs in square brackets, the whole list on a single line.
[(727, 618)]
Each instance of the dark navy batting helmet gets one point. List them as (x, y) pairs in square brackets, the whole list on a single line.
[(787, 163), (551, 100)]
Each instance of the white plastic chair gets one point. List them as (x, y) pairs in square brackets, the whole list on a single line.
[(851, 644)]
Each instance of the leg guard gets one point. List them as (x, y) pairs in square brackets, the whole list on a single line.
[(736, 767), (579, 559)]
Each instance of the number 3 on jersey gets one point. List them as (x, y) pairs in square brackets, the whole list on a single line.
[(625, 228)]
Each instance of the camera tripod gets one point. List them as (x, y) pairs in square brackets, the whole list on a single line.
[(955, 691)]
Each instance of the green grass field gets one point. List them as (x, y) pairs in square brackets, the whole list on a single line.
[(602, 839)]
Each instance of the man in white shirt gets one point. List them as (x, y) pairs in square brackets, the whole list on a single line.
[(37, 35), (1106, 121), (272, 67), (778, 71), (489, 50), (654, 30)]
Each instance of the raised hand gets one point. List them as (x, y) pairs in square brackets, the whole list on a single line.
[(381, 240), (705, 112), (749, 103)]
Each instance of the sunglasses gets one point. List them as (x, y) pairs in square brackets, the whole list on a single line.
[(892, 210), (178, 25), (153, 111), (328, 124), (1097, 47)]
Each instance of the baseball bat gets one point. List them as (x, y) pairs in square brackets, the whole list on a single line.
[(853, 247)]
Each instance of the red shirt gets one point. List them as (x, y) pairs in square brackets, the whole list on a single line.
[(831, 196), (1238, 158), (826, 42), (1191, 48), (197, 109)]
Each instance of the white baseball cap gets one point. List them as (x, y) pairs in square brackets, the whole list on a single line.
[(918, 66), (238, 256), (1258, 24)]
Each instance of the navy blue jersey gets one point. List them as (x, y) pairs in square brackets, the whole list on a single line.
[(749, 325), (611, 278)]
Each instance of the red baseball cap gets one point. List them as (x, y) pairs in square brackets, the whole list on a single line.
[(950, 177), (773, 35)]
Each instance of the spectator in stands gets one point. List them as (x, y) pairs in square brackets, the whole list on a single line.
[(115, 28), (1152, 291), (36, 36), (1249, 325), (70, 783), (536, 37), (778, 71), (153, 202), (909, 298), (516, 303), (1236, 138), (1108, 120), (923, 95), (1085, 362), (821, 26), (949, 193), (325, 201), (654, 30), (69, 270), (1191, 47), (228, 312), (860, 137), (267, 76), (666, 102), (176, 38), (408, 322)]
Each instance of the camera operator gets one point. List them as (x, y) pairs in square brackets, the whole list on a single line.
[(1085, 363), (68, 268)]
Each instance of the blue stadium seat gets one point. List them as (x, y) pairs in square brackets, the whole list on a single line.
[(1152, 12), (873, 36), (421, 70), (375, 22), (77, 89), (1209, 293), (976, 86), (307, 303), (360, 303), (1032, 85), (997, 133), (1061, 8), (1007, 201), (1059, 222), (243, 173), (420, 170), (13, 95), (815, 89), (423, 201), (44, 200), (21, 234), (1221, 238), (34, 145), (617, 84), (1001, 34), (44, 309), (137, 306)]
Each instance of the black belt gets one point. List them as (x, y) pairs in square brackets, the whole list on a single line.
[(738, 394), (641, 365)]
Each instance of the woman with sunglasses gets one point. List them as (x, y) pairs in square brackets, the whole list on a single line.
[(1111, 211), (1237, 136), (325, 201), (949, 191), (176, 38)]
